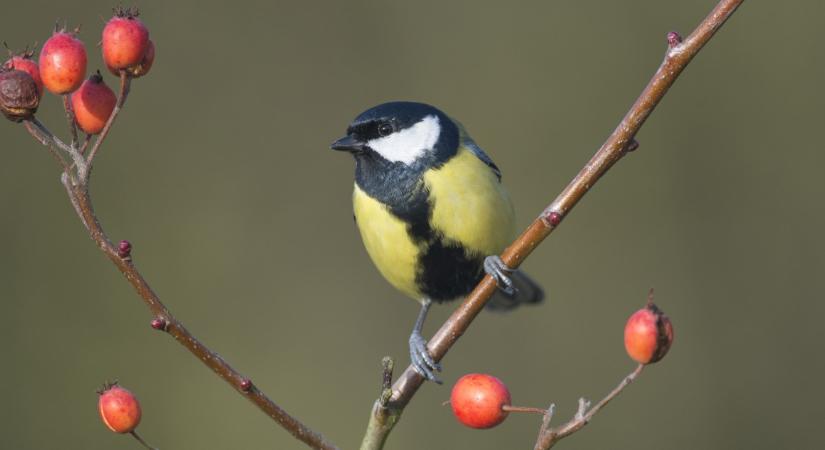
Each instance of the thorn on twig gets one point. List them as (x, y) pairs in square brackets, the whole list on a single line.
[(124, 250), (159, 323), (246, 385), (673, 39)]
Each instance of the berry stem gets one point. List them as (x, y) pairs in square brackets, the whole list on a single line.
[(85, 145), (523, 409), (125, 84), (140, 439), (67, 105)]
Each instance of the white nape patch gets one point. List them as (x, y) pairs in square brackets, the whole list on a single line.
[(407, 145)]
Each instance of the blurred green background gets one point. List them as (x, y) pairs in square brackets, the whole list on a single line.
[(219, 173)]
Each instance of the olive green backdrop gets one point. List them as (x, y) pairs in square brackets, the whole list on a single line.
[(219, 173)]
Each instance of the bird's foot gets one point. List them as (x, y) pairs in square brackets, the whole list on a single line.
[(496, 268), (421, 359)]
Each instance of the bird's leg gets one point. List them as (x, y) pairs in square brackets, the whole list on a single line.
[(421, 359), (496, 268)]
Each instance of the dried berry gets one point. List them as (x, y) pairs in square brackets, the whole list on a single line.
[(118, 408), (477, 400), (23, 61), (18, 95), (648, 334), (125, 40), (62, 63), (93, 104)]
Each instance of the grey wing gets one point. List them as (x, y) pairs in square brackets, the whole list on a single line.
[(473, 147)]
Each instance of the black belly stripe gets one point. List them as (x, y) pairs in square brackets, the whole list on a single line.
[(446, 272)]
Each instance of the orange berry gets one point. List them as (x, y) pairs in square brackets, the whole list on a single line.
[(62, 63), (648, 334), (93, 104), (119, 409), (477, 400)]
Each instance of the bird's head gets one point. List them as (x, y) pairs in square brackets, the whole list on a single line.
[(401, 132)]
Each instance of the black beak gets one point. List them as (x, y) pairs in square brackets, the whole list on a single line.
[(348, 144)]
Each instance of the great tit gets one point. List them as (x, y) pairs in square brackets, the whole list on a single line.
[(432, 211)]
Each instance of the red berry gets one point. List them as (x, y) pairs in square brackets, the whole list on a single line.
[(93, 104), (125, 40), (648, 334), (477, 400), (119, 409), (62, 63), (25, 63)]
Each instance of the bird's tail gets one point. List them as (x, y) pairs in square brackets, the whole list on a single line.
[(528, 292)]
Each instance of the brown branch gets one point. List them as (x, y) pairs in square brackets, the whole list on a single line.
[(548, 437), (164, 320), (677, 57), (77, 188)]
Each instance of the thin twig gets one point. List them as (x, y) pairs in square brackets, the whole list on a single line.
[(67, 105), (125, 84), (85, 145), (50, 144), (548, 437), (677, 57)]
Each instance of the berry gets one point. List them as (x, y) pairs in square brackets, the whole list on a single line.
[(25, 63), (118, 408), (62, 63), (477, 400), (18, 95), (648, 334), (125, 40), (142, 68), (93, 104)]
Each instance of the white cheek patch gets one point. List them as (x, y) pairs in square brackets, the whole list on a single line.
[(407, 145)]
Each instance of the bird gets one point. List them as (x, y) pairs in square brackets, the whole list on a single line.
[(432, 212)]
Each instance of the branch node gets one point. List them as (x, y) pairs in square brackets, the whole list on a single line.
[(584, 405), (631, 146), (159, 323), (551, 218), (245, 385), (674, 39), (124, 250)]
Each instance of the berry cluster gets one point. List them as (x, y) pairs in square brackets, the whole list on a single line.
[(61, 69)]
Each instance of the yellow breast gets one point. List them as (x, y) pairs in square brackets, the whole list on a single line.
[(470, 205), (387, 242)]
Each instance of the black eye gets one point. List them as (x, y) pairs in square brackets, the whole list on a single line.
[(384, 129)]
